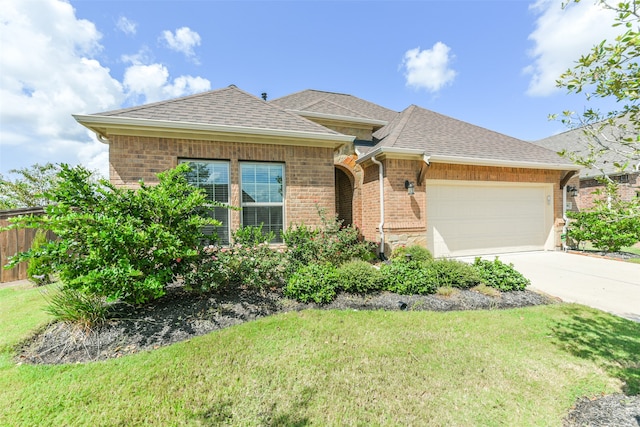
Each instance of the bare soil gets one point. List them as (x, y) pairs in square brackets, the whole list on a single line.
[(180, 316)]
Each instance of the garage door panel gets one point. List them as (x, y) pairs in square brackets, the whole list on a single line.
[(465, 218)]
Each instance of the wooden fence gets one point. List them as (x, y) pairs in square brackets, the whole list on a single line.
[(14, 241)]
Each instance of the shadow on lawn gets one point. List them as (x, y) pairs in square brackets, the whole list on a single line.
[(610, 341), (222, 413)]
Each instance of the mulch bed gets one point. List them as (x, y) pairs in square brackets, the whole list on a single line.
[(180, 316)]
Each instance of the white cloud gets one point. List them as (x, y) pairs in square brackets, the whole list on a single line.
[(183, 41), (561, 37), (430, 68), (126, 26), (48, 73), (152, 82)]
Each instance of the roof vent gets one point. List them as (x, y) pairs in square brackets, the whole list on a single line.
[(232, 85)]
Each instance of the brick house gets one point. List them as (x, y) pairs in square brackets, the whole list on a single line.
[(401, 177), (576, 140)]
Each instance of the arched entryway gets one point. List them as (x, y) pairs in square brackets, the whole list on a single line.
[(344, 196)]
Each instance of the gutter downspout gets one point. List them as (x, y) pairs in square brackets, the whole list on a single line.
[(381, 225), (564, 217)]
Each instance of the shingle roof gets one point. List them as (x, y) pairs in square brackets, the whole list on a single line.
[(229, 106), (439, 135), (576, 140), (334, 103)]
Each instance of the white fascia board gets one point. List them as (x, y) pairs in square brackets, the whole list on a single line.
[(401, 152), (420, 155), (92, 121), (501, 163), (337, 117)]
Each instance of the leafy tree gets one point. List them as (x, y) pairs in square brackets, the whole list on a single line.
[(28, 188), (610, 71), (610, 225), (119, 243)]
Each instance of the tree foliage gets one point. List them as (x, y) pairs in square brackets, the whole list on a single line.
[(609, 71), (119, 243), (29, 186), (610, 225)]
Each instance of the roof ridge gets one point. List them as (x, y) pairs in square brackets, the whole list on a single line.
[(403, 118), (168, 101)]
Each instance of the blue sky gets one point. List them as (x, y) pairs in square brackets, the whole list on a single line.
[(490, 63)]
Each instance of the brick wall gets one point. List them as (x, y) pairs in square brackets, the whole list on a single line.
[(309, 171), (405, 218), (628, 188)]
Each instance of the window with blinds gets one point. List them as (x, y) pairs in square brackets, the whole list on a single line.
[(213, 177), (263, 197)]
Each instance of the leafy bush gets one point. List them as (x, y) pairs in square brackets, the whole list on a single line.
[(77, 307), (248, 261), (120, 243), (359, 277), (449, 272), (611, 224), (313, 283), (419, 277), (407, 278), (330, 243), (39, 269), (415, 252), (499, 275)]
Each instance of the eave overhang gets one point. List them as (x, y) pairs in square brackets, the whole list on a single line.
[(416, 154), (107, 126)]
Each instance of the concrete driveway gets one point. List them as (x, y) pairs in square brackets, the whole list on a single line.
[(609, 285)]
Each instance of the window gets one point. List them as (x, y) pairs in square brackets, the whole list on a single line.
[(263, 196), (213, 177)]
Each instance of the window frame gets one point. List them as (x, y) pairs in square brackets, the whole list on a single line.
[(227, 163), (278, 239)]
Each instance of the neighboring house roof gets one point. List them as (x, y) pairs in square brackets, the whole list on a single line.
[(576, 140), (332, 103), (224, 110), (444, 139)]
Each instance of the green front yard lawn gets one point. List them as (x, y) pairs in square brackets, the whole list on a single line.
[(512, 367)]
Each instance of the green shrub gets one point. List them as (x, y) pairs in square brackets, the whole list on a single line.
[(329, 243), (407, 278), (120, 243), (499, 275), (448, 272), (39, 269), (610, 224), (359, 277), (313, 283), (80, 308), (415, 252), (420, 277), (248, 262)]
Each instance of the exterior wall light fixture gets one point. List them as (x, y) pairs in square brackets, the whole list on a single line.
[(573, 191), (410, 186)]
